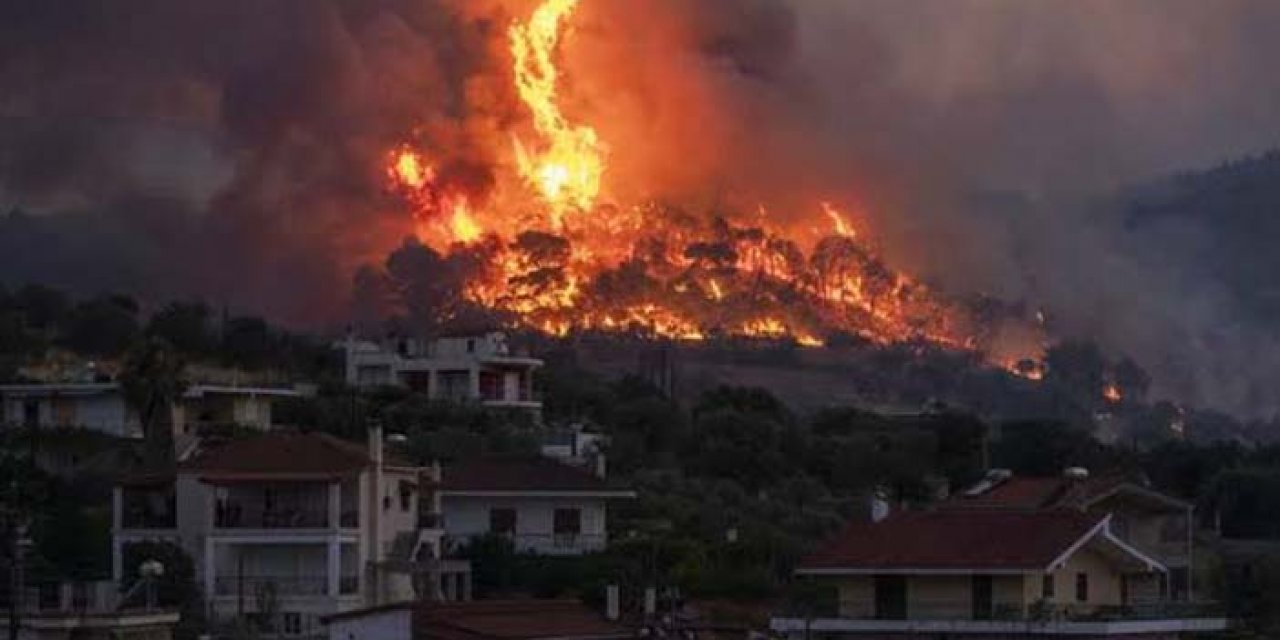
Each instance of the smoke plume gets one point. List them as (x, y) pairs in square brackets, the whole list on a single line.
[(235, 148)]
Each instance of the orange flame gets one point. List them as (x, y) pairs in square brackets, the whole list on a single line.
[(646, 269), (838, 223), (1111, 393), (566, 165)]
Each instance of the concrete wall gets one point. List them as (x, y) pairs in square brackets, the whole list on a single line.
[(1104, 581), (468, 516), (105, 412)]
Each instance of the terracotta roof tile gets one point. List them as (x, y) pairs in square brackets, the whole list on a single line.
[(956, 539), (515, 619), (280, 454)]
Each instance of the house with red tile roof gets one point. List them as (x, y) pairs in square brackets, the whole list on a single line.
[(1160, 525), (477, 620), (1004, 559), (543, 505), (286, 527)]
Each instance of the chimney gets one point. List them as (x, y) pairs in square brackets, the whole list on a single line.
[(879, 505), (599, 466), (612, 604)]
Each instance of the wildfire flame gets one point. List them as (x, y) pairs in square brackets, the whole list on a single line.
[(567, 163), (1111, 393), (650, 269), (837, 220)]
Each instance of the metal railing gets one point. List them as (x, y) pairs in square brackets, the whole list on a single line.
[(1016, 611), (254, 586), (235, 516)]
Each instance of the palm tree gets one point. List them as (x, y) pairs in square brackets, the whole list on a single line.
[(152, 380)]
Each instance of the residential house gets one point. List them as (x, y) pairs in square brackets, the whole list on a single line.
[(542, 505), (84, 611), (284, 528), (479, 620), (101, 406), (1157, 524), (467, 368), (1007, 559)]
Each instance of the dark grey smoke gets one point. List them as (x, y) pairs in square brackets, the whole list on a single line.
[(231, 148)]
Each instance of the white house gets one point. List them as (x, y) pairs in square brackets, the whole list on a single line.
[(87, 611), (543, 505), (284, 528), (475, 368), (101, 406)]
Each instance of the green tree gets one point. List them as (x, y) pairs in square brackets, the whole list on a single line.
[(152, 380)]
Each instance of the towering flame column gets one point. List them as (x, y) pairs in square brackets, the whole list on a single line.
[(566, 163)]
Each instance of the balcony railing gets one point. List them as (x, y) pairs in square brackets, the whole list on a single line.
[(1016, 611), (233, 516), (257, 585), (558, 541)]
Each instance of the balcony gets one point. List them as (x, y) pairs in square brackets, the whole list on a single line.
[(259, 585), (148, 519), (235, 516), (1013, 618)]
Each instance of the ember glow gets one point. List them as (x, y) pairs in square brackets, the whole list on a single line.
[(559, 257)]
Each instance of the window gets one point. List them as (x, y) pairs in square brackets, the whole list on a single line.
[(568, 522), (1046, 587), (291, 623), (406, 496), (502, 521), (1082, 587)]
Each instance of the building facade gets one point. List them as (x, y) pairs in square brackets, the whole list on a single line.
[(101, 406), (284, 528), (1006, 560), (544, 506), (478, 368)]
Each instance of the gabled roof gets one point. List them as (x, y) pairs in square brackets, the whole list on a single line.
[(499, 620), (1030, 493), (517, 619), (532, 474), (311, 456), (956, 541)]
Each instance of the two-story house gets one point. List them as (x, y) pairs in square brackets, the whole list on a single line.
[(543, 505), (101, 406), (1010, 558), (465, 368), (286, 527)]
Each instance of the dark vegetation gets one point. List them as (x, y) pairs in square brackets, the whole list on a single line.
[(735, 485)]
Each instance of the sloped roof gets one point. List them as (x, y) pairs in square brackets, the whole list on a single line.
[(1029, 493), (522, 474), (945, 540), (499, 620), (280, 455), (516, 619)]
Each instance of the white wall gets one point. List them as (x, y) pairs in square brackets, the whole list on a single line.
[(467, 516), (396, 624)]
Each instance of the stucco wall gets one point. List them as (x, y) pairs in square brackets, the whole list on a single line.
[(467, 516)]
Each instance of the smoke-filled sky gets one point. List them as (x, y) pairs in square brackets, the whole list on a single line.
[(233, 149)]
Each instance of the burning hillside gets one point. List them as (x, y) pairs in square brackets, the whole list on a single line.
[(550, 252)]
